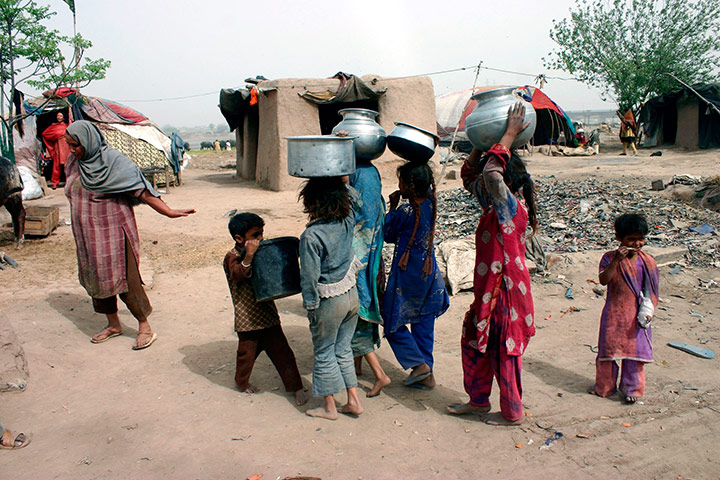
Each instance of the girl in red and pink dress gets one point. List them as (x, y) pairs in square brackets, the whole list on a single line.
[(500, 321)]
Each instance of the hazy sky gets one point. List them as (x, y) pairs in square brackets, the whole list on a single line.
[(174, 48)]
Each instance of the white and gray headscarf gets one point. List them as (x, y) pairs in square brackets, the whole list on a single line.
[(104, 169)]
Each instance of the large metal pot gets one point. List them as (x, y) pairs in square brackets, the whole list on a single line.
[(276, 270), (486, 124), (369, 141), (412, 143), (320, 156)]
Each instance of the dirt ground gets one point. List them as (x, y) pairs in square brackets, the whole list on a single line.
[(172, 411)]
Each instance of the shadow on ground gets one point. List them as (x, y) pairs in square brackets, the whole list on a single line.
[(78, 309), (558, 377)]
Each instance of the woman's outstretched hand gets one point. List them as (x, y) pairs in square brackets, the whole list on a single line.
[(180, 213)]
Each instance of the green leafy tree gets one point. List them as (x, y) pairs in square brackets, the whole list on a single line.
[(32, 54), (630, 49)]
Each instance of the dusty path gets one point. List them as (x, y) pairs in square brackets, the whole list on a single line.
[(104, 411)]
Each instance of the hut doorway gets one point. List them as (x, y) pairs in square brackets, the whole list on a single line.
[(329, 116)]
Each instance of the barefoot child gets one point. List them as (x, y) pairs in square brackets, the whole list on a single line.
[(632, 295), (257, 323), (415, 293), (367, 246), (328, 277), (499, 324)]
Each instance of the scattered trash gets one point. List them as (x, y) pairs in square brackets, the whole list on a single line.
[(241, 439), (627, 425), (230, 213), (551, 440), (257, 476), (656, 154), (397, 423), (8, 260), (577, 215), (693, 350), (675, 270), (704, 229), (568, 294), (583, 435), (685, 179), (570, 310), (598, 290), (85, 461), (518, 445), (695, 314)]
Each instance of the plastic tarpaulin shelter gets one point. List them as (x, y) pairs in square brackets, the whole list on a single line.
[(453, 108), (125, 128)]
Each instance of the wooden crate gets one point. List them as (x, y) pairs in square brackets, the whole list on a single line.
[(41, 220)]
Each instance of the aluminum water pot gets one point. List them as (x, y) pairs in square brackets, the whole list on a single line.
[(486, 124), (412, 143), (369, 141), (320, 156)]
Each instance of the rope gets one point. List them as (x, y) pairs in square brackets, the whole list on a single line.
[(429, 74)]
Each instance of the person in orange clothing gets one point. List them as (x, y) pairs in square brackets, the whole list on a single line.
[(55, 144)]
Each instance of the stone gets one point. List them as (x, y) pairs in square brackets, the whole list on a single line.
[(658, 185), (666, 254), (451, 175), (14, 372)]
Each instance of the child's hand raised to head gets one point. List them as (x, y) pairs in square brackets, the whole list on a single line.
[(515, 125), (394, 199)]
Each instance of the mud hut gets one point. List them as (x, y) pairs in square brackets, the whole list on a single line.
[(264, 114), (688, 118)]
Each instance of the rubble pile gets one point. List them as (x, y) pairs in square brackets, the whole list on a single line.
[(578, 215)]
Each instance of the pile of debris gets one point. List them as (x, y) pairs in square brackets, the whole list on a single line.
[(578, 215)]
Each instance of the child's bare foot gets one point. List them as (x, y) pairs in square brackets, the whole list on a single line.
[(320, 412), (251, 389), (380, 383), (463, 408), (496, 419), (301, 397), (630, 400), (352, 406), (351, 409)]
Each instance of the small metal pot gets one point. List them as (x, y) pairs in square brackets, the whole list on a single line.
[(320, 156), (412, 143)]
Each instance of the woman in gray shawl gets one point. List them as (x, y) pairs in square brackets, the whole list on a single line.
[(102, 187)]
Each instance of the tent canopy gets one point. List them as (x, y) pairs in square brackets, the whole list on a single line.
[(453, 108)]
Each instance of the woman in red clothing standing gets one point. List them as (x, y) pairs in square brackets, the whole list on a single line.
[(500, 322), (54, 140)]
